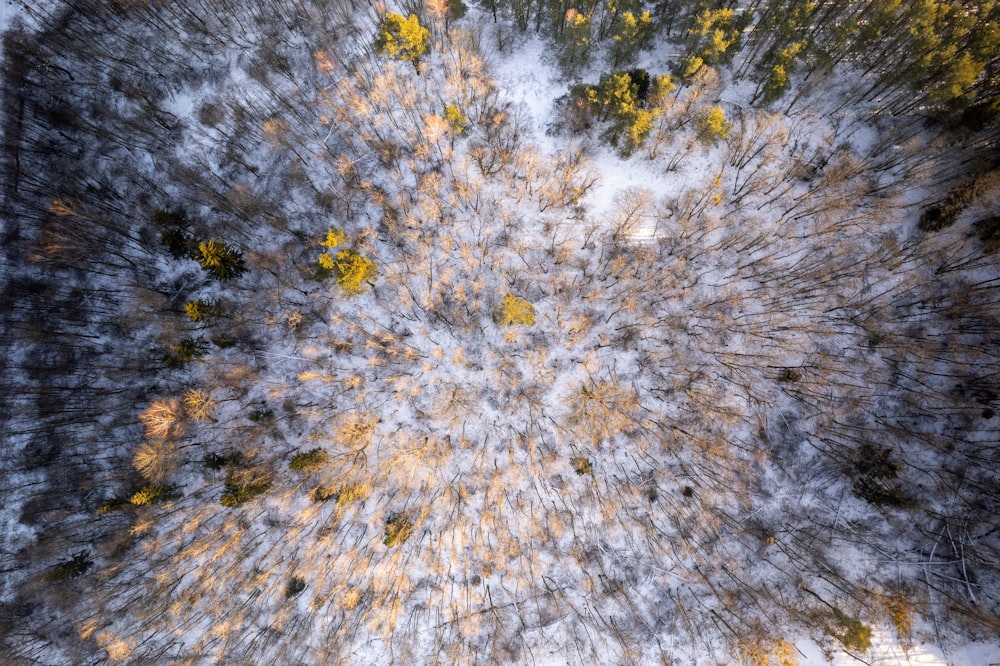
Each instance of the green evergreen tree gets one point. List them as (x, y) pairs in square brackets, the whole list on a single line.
[(153, 494), (629, 101), (575, 41), (715, 35), (294, 587), (398, 529), (220, 260), (184, 352), (630, 34), (689, 66), (776, 81), (713, 125), (457, 119), (198, 309)]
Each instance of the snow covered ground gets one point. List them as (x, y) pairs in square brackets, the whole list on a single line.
[(527, 531)]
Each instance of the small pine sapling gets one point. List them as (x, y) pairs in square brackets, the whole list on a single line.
[(458, 120), (854, 635), (112, 505), (173, 233), (261, 415), (324, 493)]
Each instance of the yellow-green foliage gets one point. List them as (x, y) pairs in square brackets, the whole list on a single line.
[(713, 125), (715, 35), (153, 494), (335, 237), (403, 38), (580, 23), (397, 530), (326, 262), (220, 259), (456, 118), (197, 309), (898, 609), (243, 485), (630, 34), (514, 311), (630, 101), (313, 459), (352, 270), (637, 130), (663, 85), (690, 66), (854, 634), (777, 79), (575, 40)]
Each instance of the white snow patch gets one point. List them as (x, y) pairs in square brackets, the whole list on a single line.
[(887, 651)]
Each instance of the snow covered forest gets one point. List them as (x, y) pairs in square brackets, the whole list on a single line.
[(500, 332)]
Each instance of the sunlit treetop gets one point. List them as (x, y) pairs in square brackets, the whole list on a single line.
[(403, 38), (353, 271), (713, 125), (514, 311)]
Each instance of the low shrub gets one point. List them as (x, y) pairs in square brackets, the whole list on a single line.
[(153, 494), (398, 529), (77, 566), (294, 587), (216, 461), (313, 459), (244, 485)]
